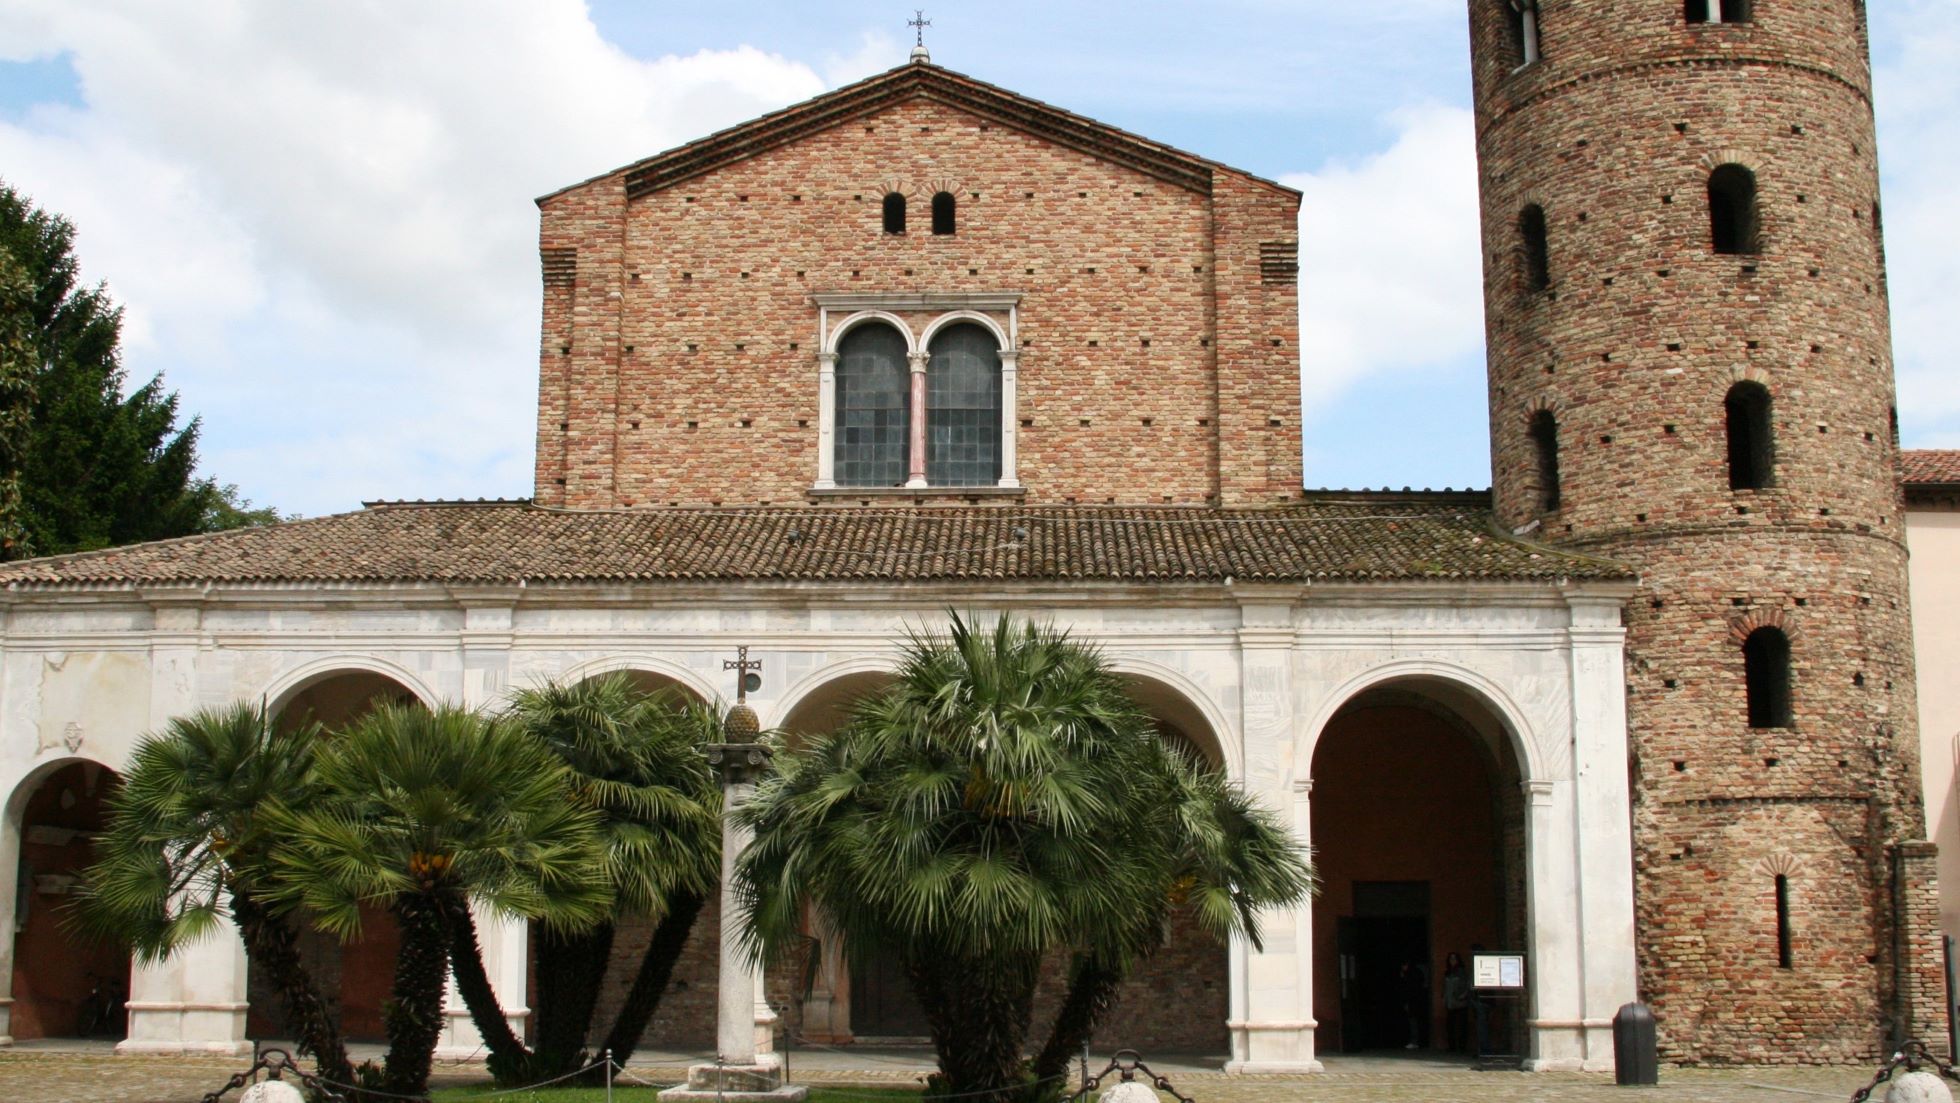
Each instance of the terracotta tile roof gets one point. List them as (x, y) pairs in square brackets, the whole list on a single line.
[(1329, 537), (1932, 466)]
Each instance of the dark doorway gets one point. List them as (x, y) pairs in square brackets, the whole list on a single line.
[(1418, 825), (882, 1004), (1390, 929)]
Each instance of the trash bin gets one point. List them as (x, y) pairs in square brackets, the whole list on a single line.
[(1636, 1046)]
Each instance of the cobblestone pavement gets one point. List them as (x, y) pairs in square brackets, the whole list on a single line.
[(28, 1076)]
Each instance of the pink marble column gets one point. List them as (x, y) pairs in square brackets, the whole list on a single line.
[(918, 472)]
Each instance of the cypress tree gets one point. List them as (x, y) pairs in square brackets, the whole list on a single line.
[(82, 464)]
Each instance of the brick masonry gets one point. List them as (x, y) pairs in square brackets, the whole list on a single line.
[(1158, 352), (1633, 346)]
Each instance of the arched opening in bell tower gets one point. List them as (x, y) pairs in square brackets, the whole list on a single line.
[(1732, 215)]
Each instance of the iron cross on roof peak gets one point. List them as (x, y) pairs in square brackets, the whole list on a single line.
[(919, 23), (745, 679)]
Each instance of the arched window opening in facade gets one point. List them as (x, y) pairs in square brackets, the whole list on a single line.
[(1766, 667), (894, 213), (1537, 249), (873, 432), (943, 210), (963, 408), (1732, 213), (1522, 17), (1752, 451), (1544, 441)]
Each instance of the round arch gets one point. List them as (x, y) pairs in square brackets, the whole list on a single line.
[(959, 317), (641, 662), (1227, 748), (836, 336), (812, 686), (1432, 674), (58, 985), (303, 677)]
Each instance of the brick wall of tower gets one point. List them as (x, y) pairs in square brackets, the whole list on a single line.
[(1633, 347), (1157, 364)]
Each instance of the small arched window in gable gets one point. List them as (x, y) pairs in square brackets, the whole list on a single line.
[(1521, 19), (874, 403), (1720, 11), (1732, 214), (963, 407), (1544, 442), (894, 213), (1766, 672), (1537, 249), (943, 210), (1752, 451)]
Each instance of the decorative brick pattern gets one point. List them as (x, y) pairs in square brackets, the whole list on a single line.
[(1635, 342)]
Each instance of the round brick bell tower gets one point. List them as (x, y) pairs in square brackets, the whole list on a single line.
[(1690, 370)]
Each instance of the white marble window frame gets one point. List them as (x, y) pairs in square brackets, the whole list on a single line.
[(839, 313)]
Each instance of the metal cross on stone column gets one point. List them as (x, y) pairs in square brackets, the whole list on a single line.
[(746, 1068), (741, 664)]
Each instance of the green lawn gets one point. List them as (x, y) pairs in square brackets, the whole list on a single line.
[(637, 1094)]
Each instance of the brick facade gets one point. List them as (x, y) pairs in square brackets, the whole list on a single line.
[(1157, 320), (1633, 346)]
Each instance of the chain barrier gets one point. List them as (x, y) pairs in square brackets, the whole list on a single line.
[(1126, 1065), (1910, 1057), (275, 1063)]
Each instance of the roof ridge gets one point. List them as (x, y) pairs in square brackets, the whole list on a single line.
[(924, 79)]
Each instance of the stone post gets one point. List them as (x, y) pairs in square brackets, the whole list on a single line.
[(749, 1068)]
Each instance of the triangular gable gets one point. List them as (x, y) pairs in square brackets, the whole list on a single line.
[(922, 80)]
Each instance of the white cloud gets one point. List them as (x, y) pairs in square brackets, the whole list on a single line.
[(1391, 279), (348, 187), (1919, 150)]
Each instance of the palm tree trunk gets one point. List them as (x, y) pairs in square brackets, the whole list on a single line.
[(978, 1013), (650, 983), (1092, 989), (272, 945), (570, 970), (413, 1018), (510, 1062)]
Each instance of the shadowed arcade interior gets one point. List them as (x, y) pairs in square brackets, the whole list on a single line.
[(356, 977), (1418, 831), (64, 985)]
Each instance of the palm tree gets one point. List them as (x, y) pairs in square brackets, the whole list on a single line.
[(426, 811), (977, 816), (635, 758), (1223, 858), (189, 840)]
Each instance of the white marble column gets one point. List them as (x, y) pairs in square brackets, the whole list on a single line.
[(1272, 1026), (1604, 827), (489, 627), (1010, 424), (826, 420), (196, 1001)]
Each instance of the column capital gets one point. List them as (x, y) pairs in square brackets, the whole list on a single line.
[(1010, 359), (827, 361), (919, 360)]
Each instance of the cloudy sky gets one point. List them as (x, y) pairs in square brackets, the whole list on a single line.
[(319, 214)]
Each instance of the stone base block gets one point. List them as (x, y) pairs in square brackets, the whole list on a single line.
[(735, 1084)]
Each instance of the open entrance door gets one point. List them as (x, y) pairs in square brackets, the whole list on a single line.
[(882, 1004)]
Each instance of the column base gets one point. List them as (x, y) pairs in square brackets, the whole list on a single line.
[(1272, 1068), (735, 1084), (131, 1047)]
